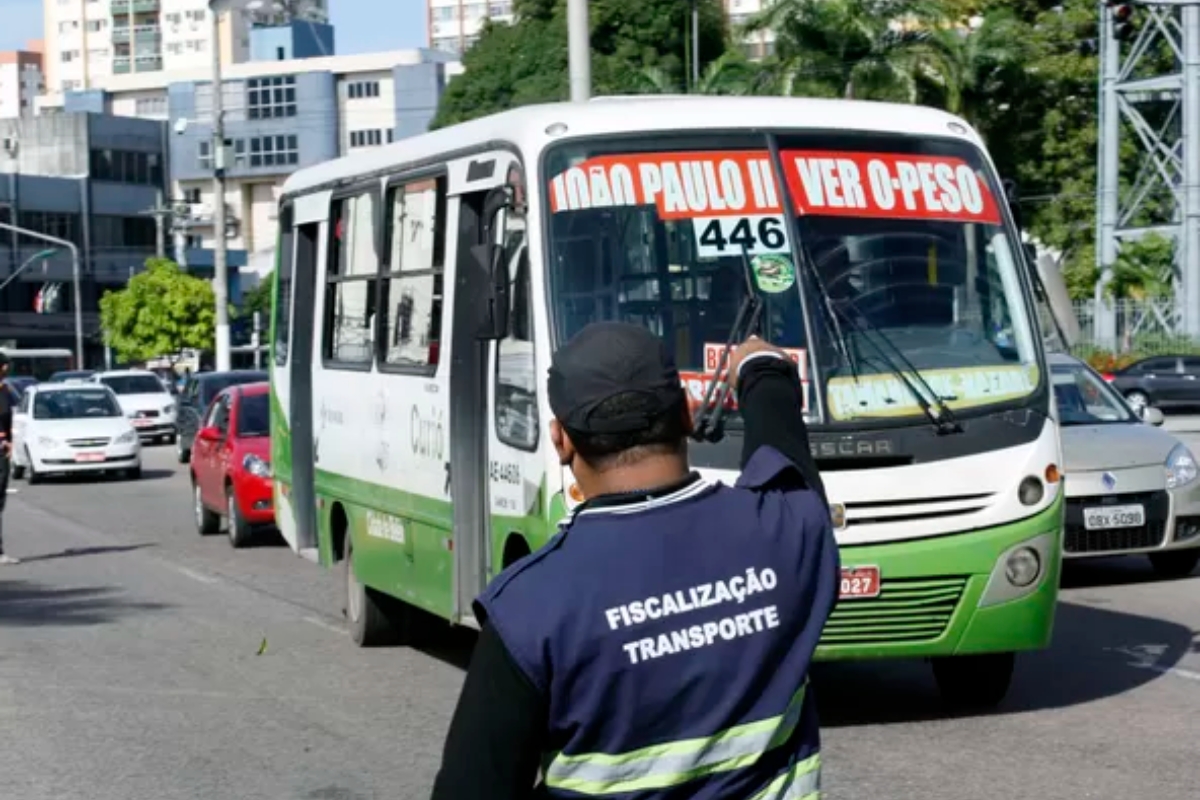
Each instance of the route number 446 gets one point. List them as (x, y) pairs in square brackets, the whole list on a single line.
[(727, 236)]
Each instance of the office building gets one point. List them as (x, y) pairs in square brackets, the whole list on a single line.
[(280, 116), (454, 25), (89, 40), (86, 178)]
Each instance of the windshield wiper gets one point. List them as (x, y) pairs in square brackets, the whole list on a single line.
[(938, 412), (708, 424)]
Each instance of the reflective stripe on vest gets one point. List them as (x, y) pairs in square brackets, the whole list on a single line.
[(670, 764), (801, 782)]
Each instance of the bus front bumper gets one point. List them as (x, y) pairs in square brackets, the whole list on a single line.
[(953, 594)]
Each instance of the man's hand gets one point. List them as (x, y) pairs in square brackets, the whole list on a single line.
[(746, 349), (6, 448)]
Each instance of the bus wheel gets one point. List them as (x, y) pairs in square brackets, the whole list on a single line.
[(974, 682), (368, 620)]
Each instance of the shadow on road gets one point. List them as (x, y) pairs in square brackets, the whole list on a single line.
[(72, 552), (1117, 571), (84, 478), (31, 604), (1096, 653)]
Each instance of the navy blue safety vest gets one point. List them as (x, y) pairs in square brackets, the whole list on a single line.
[(672, 637)]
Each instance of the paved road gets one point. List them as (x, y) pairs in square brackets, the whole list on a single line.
[(129, 671)]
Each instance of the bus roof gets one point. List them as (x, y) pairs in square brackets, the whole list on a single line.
[(527, 126)]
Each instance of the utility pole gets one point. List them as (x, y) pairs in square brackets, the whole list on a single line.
[(579, 50), (220, 265), (695, 44), (162, 214), (1162, 112)]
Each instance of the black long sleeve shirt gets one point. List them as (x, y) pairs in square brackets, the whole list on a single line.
[(496, 737), (7, 401)]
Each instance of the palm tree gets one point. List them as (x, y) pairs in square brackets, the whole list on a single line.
[(971, 62), (731, 74), (866, 49)]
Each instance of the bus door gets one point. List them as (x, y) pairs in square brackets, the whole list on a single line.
[(475, 182)]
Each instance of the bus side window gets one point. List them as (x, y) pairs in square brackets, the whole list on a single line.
[(412, 290), (516, 367), (351, 279), (283, 296)]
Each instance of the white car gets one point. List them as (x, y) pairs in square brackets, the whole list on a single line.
[(147, 403), (71, 428), (1131, 487)]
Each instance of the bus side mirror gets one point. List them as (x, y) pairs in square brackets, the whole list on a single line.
[(489, 257)]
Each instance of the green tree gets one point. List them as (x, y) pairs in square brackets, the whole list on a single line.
[(731, 74), (852, 48), (259, 298), (526, 62), (160, 312)]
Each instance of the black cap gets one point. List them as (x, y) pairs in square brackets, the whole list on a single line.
[(607, 359)]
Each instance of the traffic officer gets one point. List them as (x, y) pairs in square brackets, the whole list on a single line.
[(659, 645)]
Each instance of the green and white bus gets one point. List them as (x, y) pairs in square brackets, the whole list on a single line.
[(422, 287)]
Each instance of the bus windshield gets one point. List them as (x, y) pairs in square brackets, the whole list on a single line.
[(904, 263)]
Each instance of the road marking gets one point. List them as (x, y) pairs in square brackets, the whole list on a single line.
[(1145, 657), (197, 576), (320, 623)]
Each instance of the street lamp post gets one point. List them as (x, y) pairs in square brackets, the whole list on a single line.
[(220, 255), (579, 50), (75, 277), (39, 254)]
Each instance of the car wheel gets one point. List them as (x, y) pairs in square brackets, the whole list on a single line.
[(206, 521), (240, 532), (134, 473), (18, 470), (182, 454), (31, 474), (1138, 401), (1175, 563), (974, 682)]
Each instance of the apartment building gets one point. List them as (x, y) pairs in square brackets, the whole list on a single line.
[(89, 40), (280, 116), (20, 81)]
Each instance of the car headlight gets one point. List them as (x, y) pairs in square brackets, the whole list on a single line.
[(169, 408), (256, 466), (1181, 467), (128, 437), (47, 442)]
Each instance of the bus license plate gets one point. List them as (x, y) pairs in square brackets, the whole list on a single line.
[(88, 458), (1103, 519), (860, 582)]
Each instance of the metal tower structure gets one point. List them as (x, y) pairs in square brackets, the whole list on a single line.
[(1158, 112)]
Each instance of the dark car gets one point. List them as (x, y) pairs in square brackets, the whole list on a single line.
[(1159, 382), (71, 375), (195, 398)]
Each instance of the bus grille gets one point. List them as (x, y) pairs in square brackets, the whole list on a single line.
[(907, 610)]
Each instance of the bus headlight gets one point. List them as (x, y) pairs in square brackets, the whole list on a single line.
[(1031, 491), (1023, 567), (1181, 467)]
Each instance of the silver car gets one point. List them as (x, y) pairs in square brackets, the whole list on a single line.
[(1131, 487)]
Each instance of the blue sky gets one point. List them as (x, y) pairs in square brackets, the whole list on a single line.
[(363, 26)]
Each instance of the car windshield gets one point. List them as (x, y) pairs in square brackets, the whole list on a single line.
[(75, 404), (254, 419), (212, 386), (914, 267), (134, 384), (1084, 398)]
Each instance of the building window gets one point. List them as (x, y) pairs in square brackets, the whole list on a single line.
[(126, 166), (363, 89), (204, 159), (192, 195), (150, 106), (271, 98), (412, 289), (110, 231), (274, 151), (370, 138), (61, 226), (351, 281)]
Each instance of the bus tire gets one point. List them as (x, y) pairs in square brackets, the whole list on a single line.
[(976, 682), (366, 616)]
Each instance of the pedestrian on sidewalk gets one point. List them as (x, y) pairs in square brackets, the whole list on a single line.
[(659, 645), (7, 398)]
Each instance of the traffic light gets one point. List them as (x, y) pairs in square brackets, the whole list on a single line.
[(1122, 15)]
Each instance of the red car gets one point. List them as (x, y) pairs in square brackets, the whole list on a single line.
[(231, 464)]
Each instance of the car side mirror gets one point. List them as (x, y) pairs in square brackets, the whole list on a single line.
[(209, 434), (1152, 416)]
